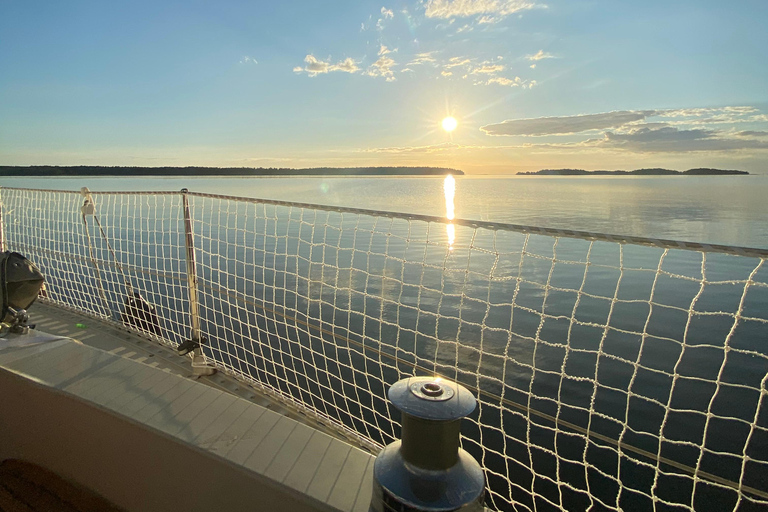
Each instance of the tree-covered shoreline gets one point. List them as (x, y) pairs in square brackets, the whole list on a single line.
[(99, 170), (656, 171)]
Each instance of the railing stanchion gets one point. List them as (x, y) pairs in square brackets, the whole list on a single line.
[(199, 365), (2, 226)]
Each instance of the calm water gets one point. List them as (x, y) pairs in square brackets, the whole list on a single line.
[(730, 210), (279, 269)]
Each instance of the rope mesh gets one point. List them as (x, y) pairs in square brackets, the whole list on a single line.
[(609, 376)]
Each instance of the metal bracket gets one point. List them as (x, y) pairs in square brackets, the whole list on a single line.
[(190, 345), (19, 321)]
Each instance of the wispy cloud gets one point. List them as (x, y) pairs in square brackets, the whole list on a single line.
[(508, 82), (479, 68), (436, 148), (248, 60), (673, 140), (491, 9), (457, 61), (637, 140), (488, 69), (386, 14), (383, 66), (483, 20), (715, 115), (423, 58), (541, 54), (752, 133), (565, 125), (629, 132), (315, 67)]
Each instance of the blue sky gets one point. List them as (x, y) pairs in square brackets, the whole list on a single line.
[(533, 84)]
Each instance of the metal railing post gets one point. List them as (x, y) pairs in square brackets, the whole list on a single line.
[(199, 365), (2, 224)]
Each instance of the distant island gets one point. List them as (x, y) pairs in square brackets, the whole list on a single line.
[(98, 170), (701, 171)]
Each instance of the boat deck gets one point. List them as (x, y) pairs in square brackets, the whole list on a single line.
[(102, 369), (130, 345)]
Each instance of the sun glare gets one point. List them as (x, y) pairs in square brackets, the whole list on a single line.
[(449, 124)]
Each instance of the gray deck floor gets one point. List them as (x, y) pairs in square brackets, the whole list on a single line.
[(155, 388), (105, 336)]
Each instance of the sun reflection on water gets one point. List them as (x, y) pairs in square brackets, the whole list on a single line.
[(449, 187)]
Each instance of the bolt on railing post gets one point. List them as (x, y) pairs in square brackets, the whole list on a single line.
[(199, 366), (428, 470)]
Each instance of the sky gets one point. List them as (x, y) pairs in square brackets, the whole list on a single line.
[(591, 84)]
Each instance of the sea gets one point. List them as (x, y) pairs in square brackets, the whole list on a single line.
[(727, 210), (723, 210)]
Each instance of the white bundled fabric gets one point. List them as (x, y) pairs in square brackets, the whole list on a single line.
[(611, 373)]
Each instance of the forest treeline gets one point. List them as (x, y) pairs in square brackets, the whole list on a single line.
[(656, 171), (98, 170)]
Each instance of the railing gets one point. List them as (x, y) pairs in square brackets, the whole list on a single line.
[(611, 373)]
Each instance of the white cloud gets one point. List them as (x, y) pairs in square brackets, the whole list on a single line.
[(423, 58), (465, 8), (383, 66), (457, 61), (513, 82), (488, 69), (386, 14), (248, 60), (717, 115), (348, 65), (315, 67), (698, 112), (446, 73), (562, 125), (487, 19), (541, 54), (508, 82)]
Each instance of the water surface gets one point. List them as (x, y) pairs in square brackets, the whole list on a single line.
[(729, 210)]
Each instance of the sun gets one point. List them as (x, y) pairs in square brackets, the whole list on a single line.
[(450, 124)]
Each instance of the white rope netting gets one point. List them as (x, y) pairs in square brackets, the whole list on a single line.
[(611, 374)]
